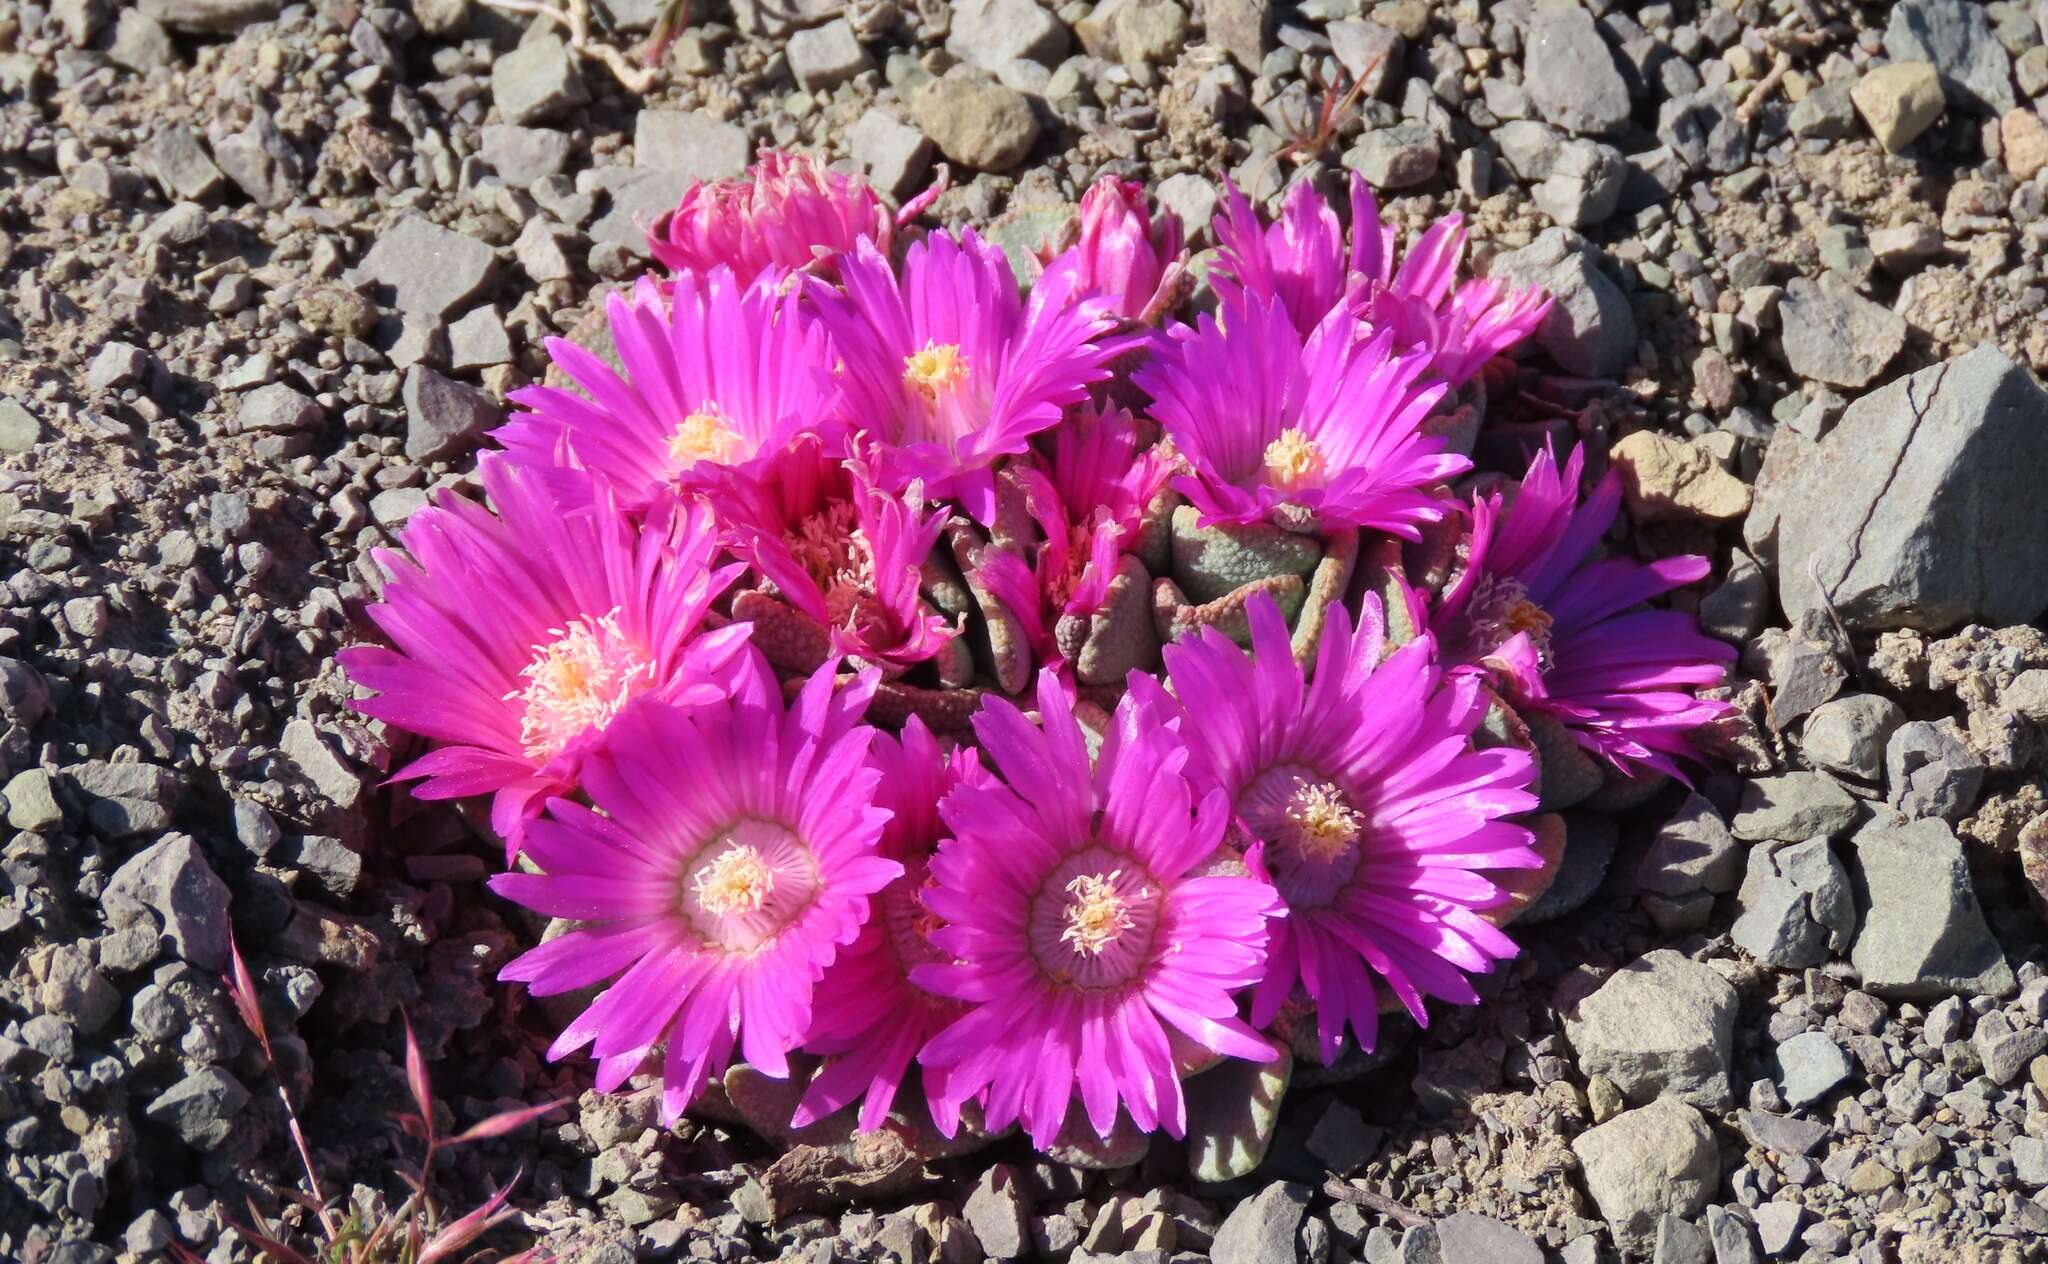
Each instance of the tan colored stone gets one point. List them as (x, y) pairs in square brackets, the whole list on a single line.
[(1665, 480), (1899, 102), (2024, 137)]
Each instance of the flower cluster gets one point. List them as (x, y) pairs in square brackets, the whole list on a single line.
[(1018, 692)]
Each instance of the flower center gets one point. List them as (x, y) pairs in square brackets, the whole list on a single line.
[(736, 881), (1498, 608), (1097, 914), (578, 682), (1294, 461), (832, 548), (938, 369), (1324, 825), (704, 435)]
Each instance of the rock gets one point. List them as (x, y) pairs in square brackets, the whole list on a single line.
[(993, 33), (522, 155), (998, 1213), (1233, 1109), (1680, 1243), (1906, 247), (1469, 1236), (1802, 675), (1796, 905), (337, 311), (172, 881), (640, 195), (2024, 139), (201, 1108), (827, 56), (1915, 509), (24, 694), (1848, 735), (19, 428), (689, 143), (1924, 935), (1898, 102), (1241, 28), (1590, 330), (1796, 805), (119, 364), (323, 765), (1153, 33), (1369, 51), (31, 798), (209, 17), (1776, 1224), (2030, 1161), (478, 340), (895, 154), (259, 159), (1342, 1141), (1704, 130), (2004, 1049), (1956, 36), (1931, 771), (1668, 480), (774, 19), (141, 43), (1692, 852), (1645, 1163), (443, 418), (1529, 148), (536, 82), (1832, 334), (1728, 1233), (1397, 157), (1735, 611), (176, 158), (1781, 1133), (976, 121), (1661, 1027), (1826, 113), (1584, 185), (430, 269), (1809, 1067), (1570, 73), (1263, 1229), (278, 409)]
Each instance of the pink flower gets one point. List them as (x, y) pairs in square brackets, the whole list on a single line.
[(840, 550), (788, 211), (948, 369), (1090, 505), (732, 853), (1323, 433), (519, 637), (870, 1019), (1374, 812), (1079, 933), (1565, 631), (1124, 257), (715, 374), (1301, 260)]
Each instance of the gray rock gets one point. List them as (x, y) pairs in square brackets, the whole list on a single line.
[(1781, 1133), (640, 196), (896, 155), (1368, 50), (1826, 113), (1397, 157), (1529, 148), (777, 18), (1848, 735), (20, 429), (690, 143), (1777, 1224), (1590, 330), (209, 17), (536, 82), (478, 340), (1704, 131), (255, 828), (1679, 1242), (278, 409), (201, 1108), (32, 802), (172, 881), (1916, 510), (827, 56), (24, 694), (1923, 935), (1264, 1228), (75, 990), (430, 270), (261, 161), (1931, 771), (1796, 905), (1729, 1234), (323, 765), (118, 364), (1694, 851), (176, 158), (1802, 675), (1241, 28), (977, 121), (141, 43), (1341, 1140), (1661, 1027), (1796, 805), (1419, 1245), (1193, 198), (1810, 1065), (1832, 334), (998, 1212), (993, 33), (443, 418), (2030, 1161), (1570, 73), (1469, 1236), (1584, 185), (1646, 1163), (1956, 36), (2005, 1049), (522, 155)]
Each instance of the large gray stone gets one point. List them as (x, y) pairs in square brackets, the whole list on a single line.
[(1663, 1026), (1570, 72), (1809, 1066), (1932, 771), (1646, 1163), (1832, 334), (1263, 1229), (690, 143), (443, 418), (993, 33), (1470, 1236), (1694, 851), (201, 1108), (1793, 806), (536, 82), (1924, 935), (431, 270), (1590, 330), (209, 17), (1848, 735), (976, 120), (1956, 36), (1920, 509), (1796, 905), (172, 882)]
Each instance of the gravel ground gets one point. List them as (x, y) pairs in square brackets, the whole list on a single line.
[(266, 273)]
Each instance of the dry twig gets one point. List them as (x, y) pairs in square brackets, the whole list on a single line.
[(573, 16)]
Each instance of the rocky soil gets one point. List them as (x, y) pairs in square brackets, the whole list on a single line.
[(266, 274)]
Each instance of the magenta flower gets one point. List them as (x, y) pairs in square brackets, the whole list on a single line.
[(1565, 632), (840, 550), (1079, 933), (519, 637), (787, 212), (870, 1019), (949, 369), (1325, 433), (1090, 503), (1301, 260), (1374, 812), (1123, 256), (731, 855), (715, 374)]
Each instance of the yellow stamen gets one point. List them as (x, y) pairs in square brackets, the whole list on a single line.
[(576, 682), (1097, 915), (1527, 616), (704, 435), (736, 881), (1294, 460), (936, 370), (1325, 826)]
